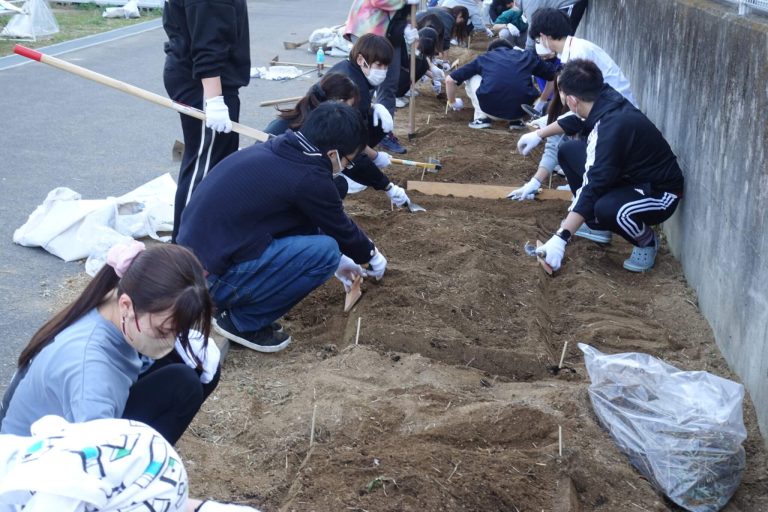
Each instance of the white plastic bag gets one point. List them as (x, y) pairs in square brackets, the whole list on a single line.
[(73, 228), (681, 429), (129, 10), (36, 21)]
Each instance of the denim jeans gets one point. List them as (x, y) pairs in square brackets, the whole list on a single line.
[(258, 292)]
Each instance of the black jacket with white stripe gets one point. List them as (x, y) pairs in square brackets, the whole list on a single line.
[(208, 38), (281, 188), (624, 148)]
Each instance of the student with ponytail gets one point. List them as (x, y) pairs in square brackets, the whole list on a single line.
[(110, 353), (355, 178)]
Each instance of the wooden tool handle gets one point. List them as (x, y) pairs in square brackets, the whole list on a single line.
[(130, 89), (414, 163), (282, 100), (412, 104)]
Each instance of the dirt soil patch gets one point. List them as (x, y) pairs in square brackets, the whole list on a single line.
[(449, 402)]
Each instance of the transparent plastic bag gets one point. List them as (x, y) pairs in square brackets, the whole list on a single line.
[(682, 430), (36, 21)]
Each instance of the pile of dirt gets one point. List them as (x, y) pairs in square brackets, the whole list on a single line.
[(451, 400)]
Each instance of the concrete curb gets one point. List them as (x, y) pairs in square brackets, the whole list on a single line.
[(13, 61)]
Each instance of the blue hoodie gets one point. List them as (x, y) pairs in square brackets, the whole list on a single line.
[(281, 188)]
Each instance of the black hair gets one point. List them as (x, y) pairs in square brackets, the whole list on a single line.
[(551, 22), (581, 78), (333, 86), (432, 20), (498, 7), (336, 125), (500, 43), (159, 278), (373, 48), (428, 39)]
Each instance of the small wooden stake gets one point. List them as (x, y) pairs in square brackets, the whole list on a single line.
[(357, 335), (423, 170), (312, 433), (562, 356), (560, 439)]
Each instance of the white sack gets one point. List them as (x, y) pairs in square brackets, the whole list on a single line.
[(37, 21), (73, 228), (129, 10)]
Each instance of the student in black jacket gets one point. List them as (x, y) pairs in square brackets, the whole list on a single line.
[(498, 82), (269, 227), (338, 87), (207, 60), (622, 171)]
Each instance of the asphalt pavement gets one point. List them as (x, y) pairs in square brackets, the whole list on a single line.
[(61, 130)]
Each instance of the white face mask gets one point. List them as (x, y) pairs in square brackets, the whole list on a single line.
[(145, 338), (375, 76)]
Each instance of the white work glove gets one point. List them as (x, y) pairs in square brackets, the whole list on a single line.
[(382, 160), (527, 142), (412, 2), (212, 506), (382, 115), (552, 251), (527, 191), (513, 30), (217, 115), (348, 271), (397, 195), (437, 73), (378, 265), (410, 34), (437, 86), (540, 105), (458, 104), (210, 357), (540, 122), (488, 32)]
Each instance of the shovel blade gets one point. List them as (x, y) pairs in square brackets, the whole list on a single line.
[(414, 208)]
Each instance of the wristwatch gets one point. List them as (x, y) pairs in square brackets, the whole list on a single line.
[(564, 234)]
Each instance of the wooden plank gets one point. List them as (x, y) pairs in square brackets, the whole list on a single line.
[(435, 188)]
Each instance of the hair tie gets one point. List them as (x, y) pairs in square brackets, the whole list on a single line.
[(319, 92), (120, 256)]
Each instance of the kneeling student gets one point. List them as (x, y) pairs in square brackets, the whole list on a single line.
[(269, 226), (622, 172), (498, 82)]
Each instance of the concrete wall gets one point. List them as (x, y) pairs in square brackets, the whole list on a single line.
[(700, 72)]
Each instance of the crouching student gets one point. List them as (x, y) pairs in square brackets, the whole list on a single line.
[(94, 359), (354, 178), (269, 226), (425, 52), (109, 465), (497, 83), (622, 172), (367, 67)]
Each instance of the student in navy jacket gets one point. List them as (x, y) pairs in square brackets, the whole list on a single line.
[(498, 82), (269, 226), (623, 174)]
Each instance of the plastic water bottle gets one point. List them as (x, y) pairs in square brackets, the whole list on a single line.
[(320, 59)]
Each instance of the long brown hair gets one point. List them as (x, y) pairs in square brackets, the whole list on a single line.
[(556, 107), (333, 86), (160, 278), (460, 31)]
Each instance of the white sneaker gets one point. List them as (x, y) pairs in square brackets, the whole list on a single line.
[(402, 102)]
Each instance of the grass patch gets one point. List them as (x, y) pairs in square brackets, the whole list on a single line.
[(76, 20)]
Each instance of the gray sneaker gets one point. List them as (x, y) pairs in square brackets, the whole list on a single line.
[(601, 237)]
